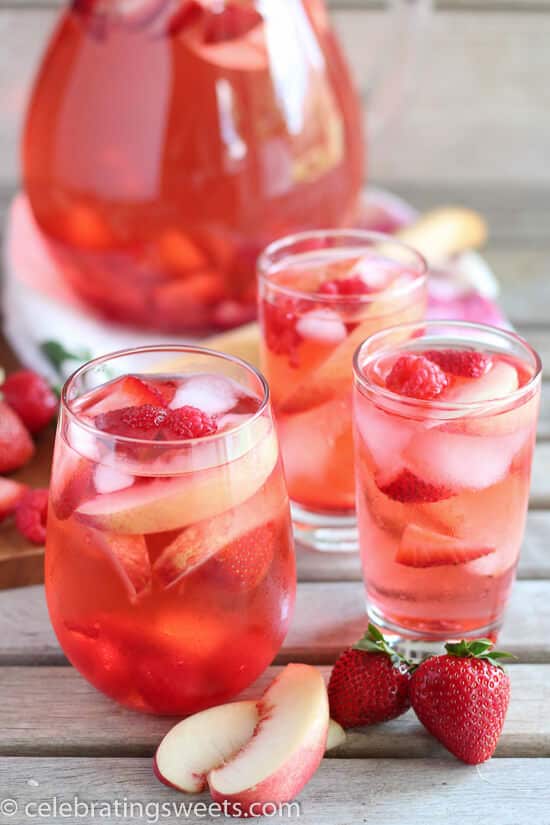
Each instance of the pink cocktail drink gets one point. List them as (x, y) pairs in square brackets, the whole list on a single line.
[(321, 295), (170, 571), (445, 422)]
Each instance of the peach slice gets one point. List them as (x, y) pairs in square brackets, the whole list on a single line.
[(200, 743), (130, 557), (286, 749), (174, 503), (202, 541), (336, 735)]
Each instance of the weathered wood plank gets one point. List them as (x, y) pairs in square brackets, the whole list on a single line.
[(88, 724), (472, 49), (328, 616), (346, 792)]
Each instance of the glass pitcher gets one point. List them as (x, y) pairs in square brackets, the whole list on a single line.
[(168, 141)]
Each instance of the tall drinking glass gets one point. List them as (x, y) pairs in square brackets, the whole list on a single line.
[(445, 421), (321, 294)]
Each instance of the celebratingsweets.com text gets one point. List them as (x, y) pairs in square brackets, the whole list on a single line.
[(58, 809)]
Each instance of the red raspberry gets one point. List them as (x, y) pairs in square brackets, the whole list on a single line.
[(143, 421), (415, 376), (190, 422), (30, 395), (354, 285), (31, 514), (281, 335), (16, 445), (464, 363)]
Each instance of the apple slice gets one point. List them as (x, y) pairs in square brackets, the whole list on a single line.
[(225, 534), (287, 747), (202, 742), (174, 503), (423, 548)]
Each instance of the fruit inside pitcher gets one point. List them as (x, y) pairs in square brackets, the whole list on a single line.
[(168, 141)]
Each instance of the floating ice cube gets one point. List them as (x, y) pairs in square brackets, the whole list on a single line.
[(109, 480), (322, 325), (462, 461), (385, 435), (377, 272), (213, 394)]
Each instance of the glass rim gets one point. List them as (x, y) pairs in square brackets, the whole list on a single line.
[(265, 265), (443, 406), (65, 403)]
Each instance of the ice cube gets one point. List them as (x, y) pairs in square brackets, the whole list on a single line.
[(323, 325), (213, 394), (385, 435), (377, 272), (462, 461), (109, 480)]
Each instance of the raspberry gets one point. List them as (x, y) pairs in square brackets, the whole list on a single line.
[(31, 514), (31, 397), (417, 377), (354, 285), (281, 335), (464, 363), (190, 422), (143, 421)]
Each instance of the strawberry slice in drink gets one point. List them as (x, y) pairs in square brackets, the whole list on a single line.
[(231, 37), (129, 391), (74, 482), (423, 548), (242, 540)]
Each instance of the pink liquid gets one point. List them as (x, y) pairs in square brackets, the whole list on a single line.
[(442, 503), (169, 572)]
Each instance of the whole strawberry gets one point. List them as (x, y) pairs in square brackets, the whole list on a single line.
[(462, 698), (32, 398), (369, 683)]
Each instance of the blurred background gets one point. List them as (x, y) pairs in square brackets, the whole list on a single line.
[(474, 129)]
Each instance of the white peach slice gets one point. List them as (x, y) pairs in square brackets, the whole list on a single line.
[(336, 735), (202, 742), (170, 504), (287, 747), (130, 557)]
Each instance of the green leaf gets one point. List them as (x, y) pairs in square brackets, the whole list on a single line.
[(57, 355), (477, 649), (374, 642)]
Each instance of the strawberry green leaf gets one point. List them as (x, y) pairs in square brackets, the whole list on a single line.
[(477, 649), (374, 642)]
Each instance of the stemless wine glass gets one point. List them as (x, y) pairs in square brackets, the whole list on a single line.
[(170, 573), (445, 421), (321, 294)]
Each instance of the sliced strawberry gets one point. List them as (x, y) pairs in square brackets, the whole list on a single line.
[(11, 493), (189, 13), (130, 557), (231, 23), (422, 548), (97, 657), (74, 483), (353, 285), (143, 422), (464, 363), (16, 445), (244, 563), (416, 377), (230, 535), (129, 391), (410, 489)]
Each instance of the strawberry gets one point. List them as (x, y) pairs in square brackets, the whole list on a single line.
[(464, 363), (11, 493), (129, 391), (244, 563), (409, 489), (421, 547), (32, 398), (416, 377), (462, 698), (369, 683), (16, 446), (31, 515), (354, 285), (230, 23)]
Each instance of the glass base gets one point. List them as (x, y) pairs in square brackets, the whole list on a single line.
[(324, 532), (418, 644)]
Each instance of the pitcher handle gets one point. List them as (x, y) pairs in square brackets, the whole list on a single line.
[(393, 72)]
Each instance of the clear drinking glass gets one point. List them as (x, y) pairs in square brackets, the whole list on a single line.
[(320, 295), (170, 573), (443, 470)]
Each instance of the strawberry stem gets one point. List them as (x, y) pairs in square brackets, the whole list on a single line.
[(374, 642), (477, 649)]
